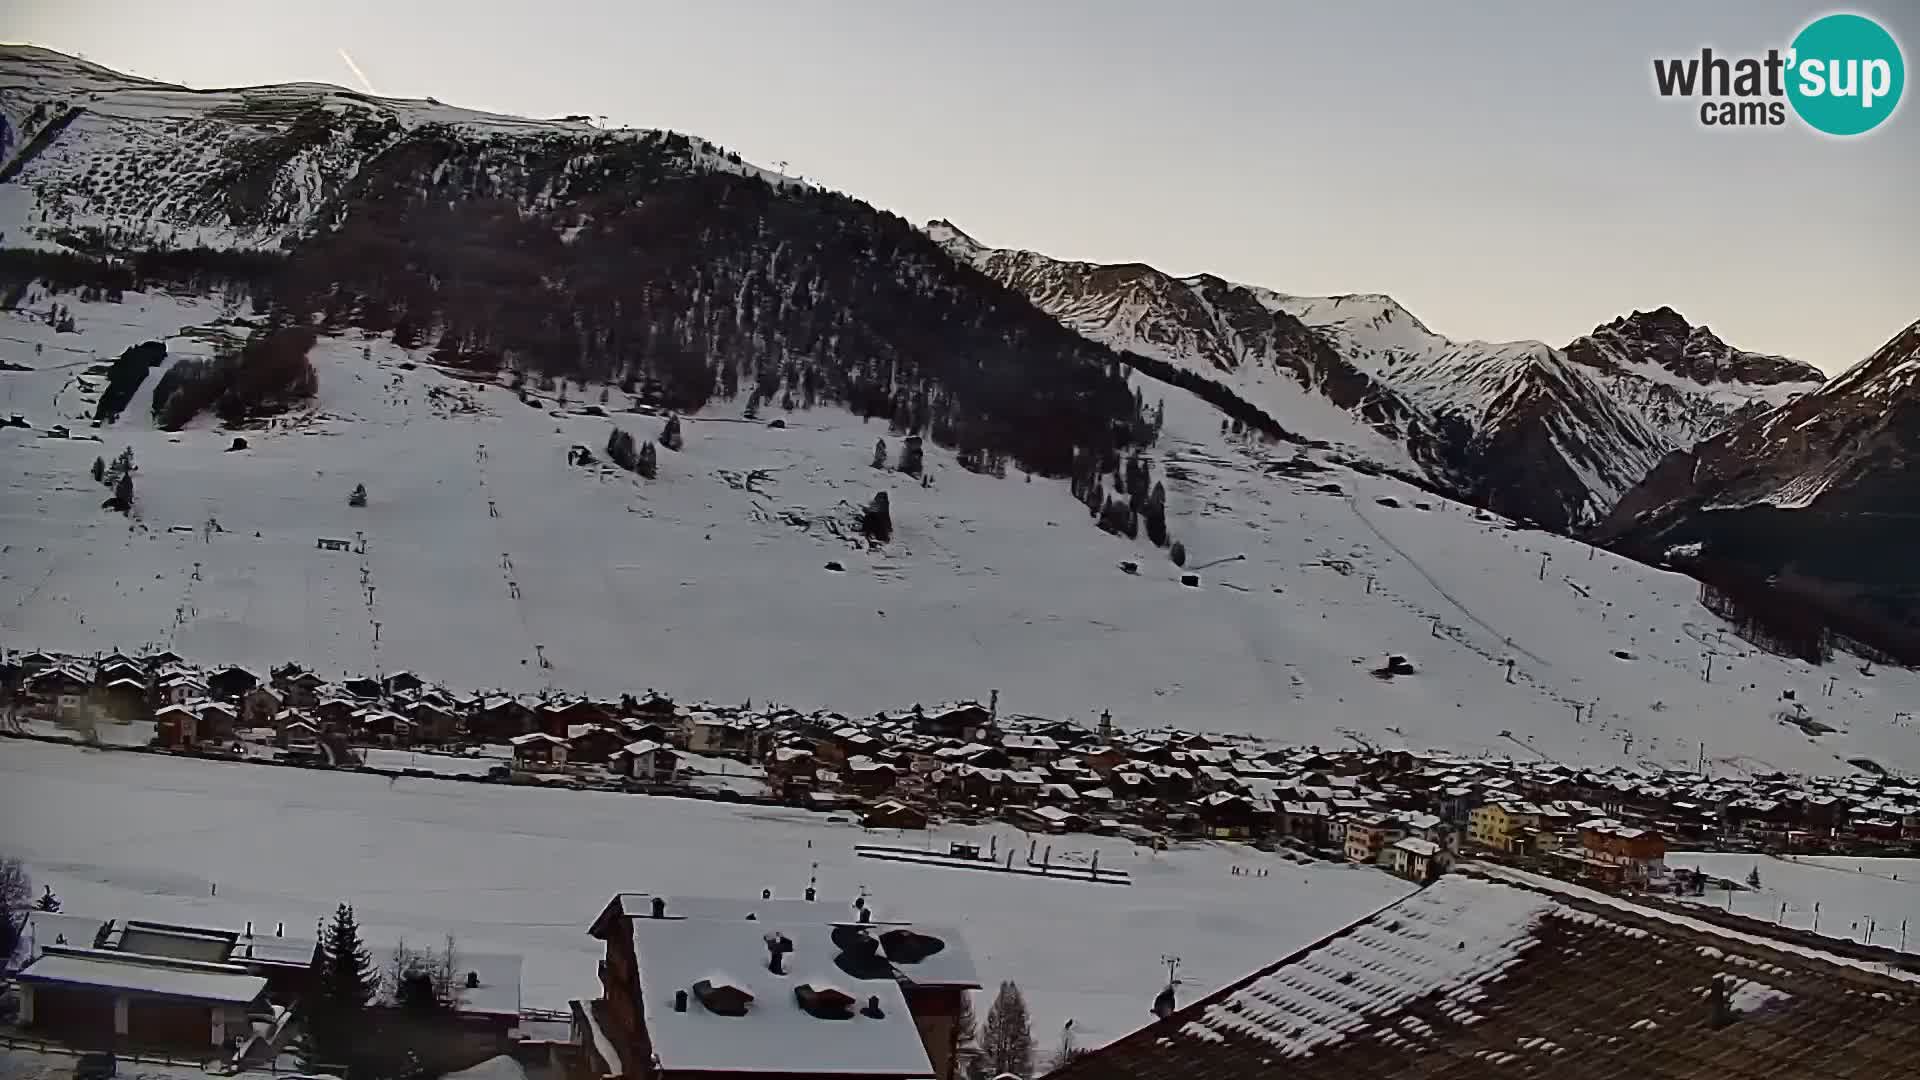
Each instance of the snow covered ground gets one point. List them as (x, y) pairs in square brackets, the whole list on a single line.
[(525, 870), (710, 582), (1856, 895)]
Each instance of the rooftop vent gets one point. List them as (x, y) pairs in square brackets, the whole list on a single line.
[(679, 1001), (904, 946), (873, 1010), (724, 999), (473, 980), (659, 907), (824, 1003), (778, 946)]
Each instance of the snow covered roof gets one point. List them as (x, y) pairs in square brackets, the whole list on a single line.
[(1474, 977), (776, 1034), (106, 969), (1416, 846), (534, 737)]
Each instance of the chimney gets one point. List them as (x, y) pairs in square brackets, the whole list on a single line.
[(659, 907), (766, 894), (279, 929), (778, 946), (679, 1001), (473, 980), (810, 894), (249, 928), (873, 1009)]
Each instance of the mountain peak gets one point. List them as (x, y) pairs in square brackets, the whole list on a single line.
[(1665, 338)]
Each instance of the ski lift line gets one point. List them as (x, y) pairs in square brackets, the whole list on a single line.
[(1353, 504)]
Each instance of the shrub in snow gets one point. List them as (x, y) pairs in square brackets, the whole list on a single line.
[(880, 454), (670, 436), (359, 496), (1178, 553), (876, 521)]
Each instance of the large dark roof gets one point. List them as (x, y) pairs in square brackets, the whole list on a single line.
[(1476, 978)]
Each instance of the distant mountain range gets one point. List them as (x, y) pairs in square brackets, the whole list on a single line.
[(1554, 436), (664, 264)]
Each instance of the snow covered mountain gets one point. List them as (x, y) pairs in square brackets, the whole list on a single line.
[(1553, 436), (1823, 490), (480, 298)]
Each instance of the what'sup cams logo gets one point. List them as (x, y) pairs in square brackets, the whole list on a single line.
[(1842, 75)]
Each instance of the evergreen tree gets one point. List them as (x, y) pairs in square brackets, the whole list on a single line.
[(345, 984), (649, 464), (621, 451), (1155, 515), (1006, 1043), (47, 901), (1753, 877), (876, 521), (880, 453), (122, 501), (359, 495), (99, 471), (15, 886), (1178, 553), (670, 436)]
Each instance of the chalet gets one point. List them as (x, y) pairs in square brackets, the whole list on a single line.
[(121, 700), (58, 691), (594, 744), (162, 659), (336, 714), (640, 728), (363, 687), (116, 668), (383, 726), (708, 733), (176, 726), (1415, 859), (1368, 836), (404, 682), (300, 689), (870, 777), (229, 683), (293, 729), (698, 988), (499, 719), (792, 771), (1306, 822), (894, 814), (432, 723), (538, 749), (108, 996), (1505, 826), (1225, 815), (259, 705), (557, 717), (647, 759), (1047, 819), (1621, 854), (1026, 751), (218, 720), (960, 720), (36, 661), (181, 687)]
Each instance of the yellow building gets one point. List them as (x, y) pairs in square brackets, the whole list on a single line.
[(1504, 826)]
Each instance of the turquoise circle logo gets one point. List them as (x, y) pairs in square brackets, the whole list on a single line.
[(1846, 74)]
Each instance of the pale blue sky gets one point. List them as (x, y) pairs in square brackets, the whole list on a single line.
[(1503, 168)]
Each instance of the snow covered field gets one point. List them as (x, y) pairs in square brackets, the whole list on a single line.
[(525, 870), (710, 582), (1851, 892)]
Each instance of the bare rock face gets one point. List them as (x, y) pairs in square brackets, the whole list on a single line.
[(1822, 492)]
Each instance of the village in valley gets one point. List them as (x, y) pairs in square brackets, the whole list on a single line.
[(1410, 812)]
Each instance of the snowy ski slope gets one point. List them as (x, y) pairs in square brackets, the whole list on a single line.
[(706, 585)]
